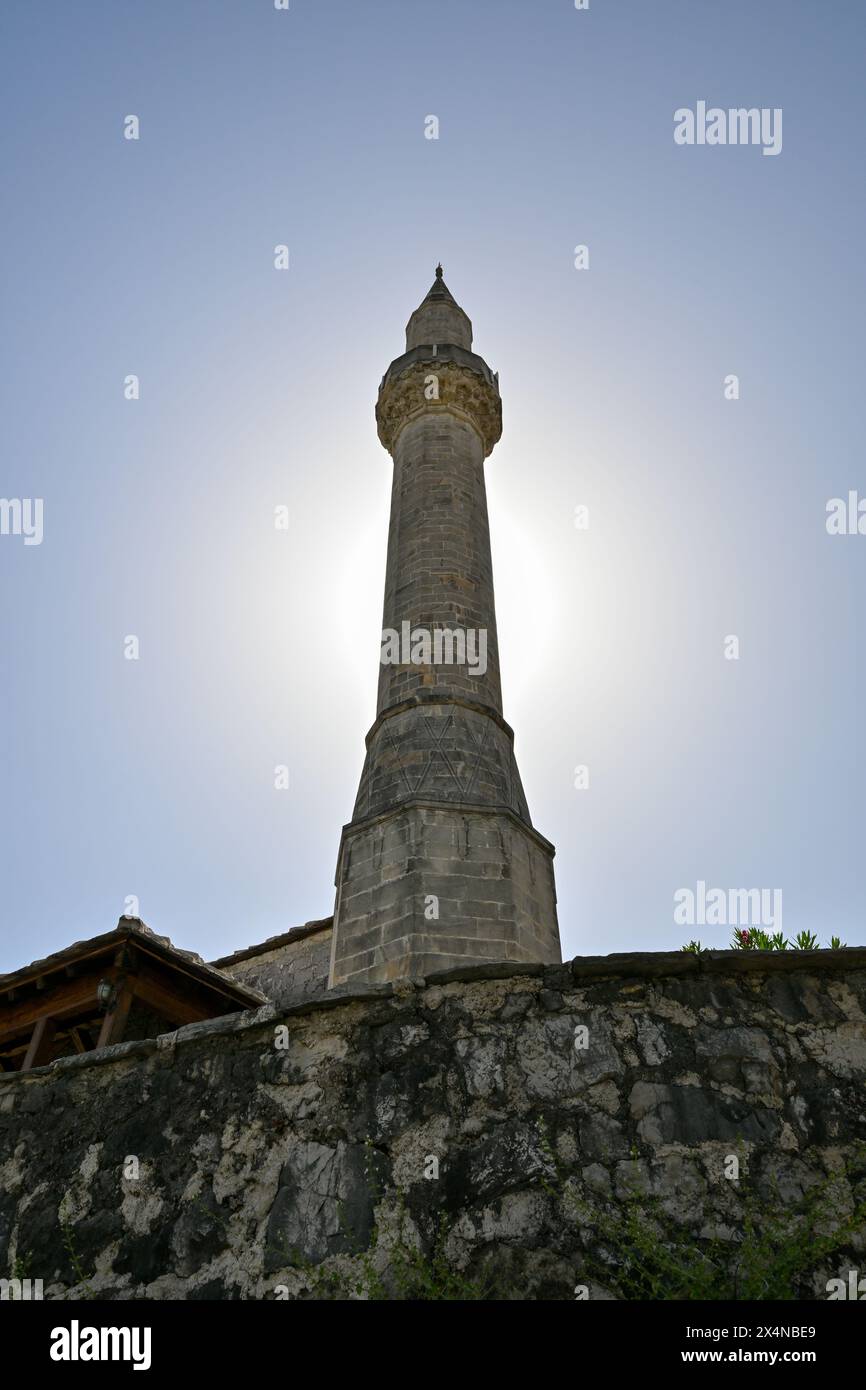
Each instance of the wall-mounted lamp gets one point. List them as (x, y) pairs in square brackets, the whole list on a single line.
[(106, 994)]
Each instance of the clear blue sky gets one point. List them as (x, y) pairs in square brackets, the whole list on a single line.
[(707, 517)]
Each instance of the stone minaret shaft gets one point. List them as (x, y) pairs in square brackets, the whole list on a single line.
[(440, 865)]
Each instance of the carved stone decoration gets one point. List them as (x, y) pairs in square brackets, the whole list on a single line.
[(441, 753), (460, 389)]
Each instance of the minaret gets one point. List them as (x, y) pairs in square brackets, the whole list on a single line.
[(440, 865)]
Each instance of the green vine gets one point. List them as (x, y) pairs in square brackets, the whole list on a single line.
[(639, 1252), (69, 1244)]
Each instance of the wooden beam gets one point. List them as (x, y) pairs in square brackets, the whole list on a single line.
[(66, 999), (176, 995), (125, 944), (83, 953), (176, 999), (179, 970), (39, 1048), (115, 1020)]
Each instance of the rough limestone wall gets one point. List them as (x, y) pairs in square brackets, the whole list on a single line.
[(260, 1168), (295, 971)]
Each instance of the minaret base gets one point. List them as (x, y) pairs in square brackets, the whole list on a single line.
[(430, 886)]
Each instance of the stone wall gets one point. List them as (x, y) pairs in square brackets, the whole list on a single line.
[(288, 968), (470, 1117)]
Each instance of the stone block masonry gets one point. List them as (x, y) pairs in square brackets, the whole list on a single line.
[(440, 864), (288, 968), (500, 1118), (430, 888)]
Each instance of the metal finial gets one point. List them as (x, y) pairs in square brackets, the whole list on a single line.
[(439, 271)]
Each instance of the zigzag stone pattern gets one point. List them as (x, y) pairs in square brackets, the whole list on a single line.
[(440, 753)]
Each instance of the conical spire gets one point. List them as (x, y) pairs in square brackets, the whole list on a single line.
[(439, 319), (439, 289)]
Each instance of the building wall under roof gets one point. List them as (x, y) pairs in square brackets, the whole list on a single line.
[(295, 969)]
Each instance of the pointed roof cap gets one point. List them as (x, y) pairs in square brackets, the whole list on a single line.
[(439, 319)]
